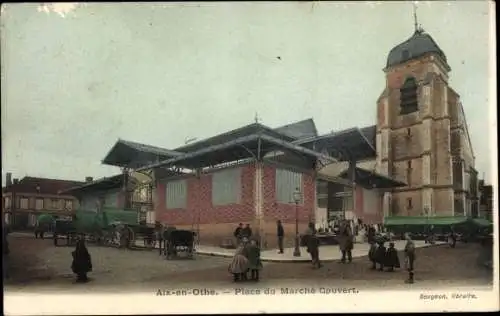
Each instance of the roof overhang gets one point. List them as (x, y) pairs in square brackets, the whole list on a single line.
[(350, 144), (372, 180), (134, 155), (249, 146)]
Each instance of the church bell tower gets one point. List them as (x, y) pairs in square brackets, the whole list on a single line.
[(414, 129)]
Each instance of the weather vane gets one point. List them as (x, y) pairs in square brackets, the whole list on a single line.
[(256, 117), (418, 28), (415, 15)]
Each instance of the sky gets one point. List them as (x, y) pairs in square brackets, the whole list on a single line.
[(75, 78)]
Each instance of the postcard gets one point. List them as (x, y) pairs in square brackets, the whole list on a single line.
[(249, 157)]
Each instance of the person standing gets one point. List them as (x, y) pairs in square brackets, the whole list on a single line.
[(345, 241), (82, 262), (312, 243), (254, 262), (391, 258), (237, 233), (246, 232), (239, 265), (281, 234), (409, 257)]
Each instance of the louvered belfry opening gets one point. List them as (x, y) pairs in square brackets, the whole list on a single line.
[(409, 97)]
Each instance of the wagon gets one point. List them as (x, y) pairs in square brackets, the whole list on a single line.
[(178, 241), (66, 229)]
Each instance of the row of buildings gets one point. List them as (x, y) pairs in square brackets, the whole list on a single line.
[(416, 160)]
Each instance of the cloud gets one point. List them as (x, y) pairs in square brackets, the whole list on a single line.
[(61, 8)]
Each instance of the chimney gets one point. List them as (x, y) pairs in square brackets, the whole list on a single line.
[(16, 181), (8, 179), (89, 179)]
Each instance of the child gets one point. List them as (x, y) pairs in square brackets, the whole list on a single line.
[(372, 255), (239, 266), (391, 258), (254, 262)]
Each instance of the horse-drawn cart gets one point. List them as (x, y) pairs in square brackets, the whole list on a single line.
[(178, 241)]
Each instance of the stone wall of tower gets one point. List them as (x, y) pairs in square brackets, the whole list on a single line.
[(420, 140)]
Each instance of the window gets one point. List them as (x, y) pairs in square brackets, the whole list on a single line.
[(286, 183), (23, 203), (408, 132), (54, 204), (408, 172), (226, 187), (39, 204), (68, 204), (409, 204), (176, 195), (7, 202), (409, 100)]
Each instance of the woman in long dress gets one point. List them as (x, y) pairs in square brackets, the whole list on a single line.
[(239, 265), (82, 263)]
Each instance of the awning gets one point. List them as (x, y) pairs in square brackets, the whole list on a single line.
[(112, 215), (45, 219), (422, 220), (482, 222)]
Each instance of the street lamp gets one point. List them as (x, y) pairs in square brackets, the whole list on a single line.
[(297, 197)]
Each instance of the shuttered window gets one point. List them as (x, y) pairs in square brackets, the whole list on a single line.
[(286, 183), (176, 195), (226, 187)]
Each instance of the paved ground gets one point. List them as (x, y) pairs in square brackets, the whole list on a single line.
[(37, 264), (328, 253)]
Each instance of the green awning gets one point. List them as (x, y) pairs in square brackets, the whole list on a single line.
[(88, 221), (482, 222), (422, 220), (45, 219), (113, 215)]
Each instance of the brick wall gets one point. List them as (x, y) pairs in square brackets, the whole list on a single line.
[(216, 223)]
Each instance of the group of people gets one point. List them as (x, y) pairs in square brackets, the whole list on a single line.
[(242, 232), (388, 257), (245, 260)]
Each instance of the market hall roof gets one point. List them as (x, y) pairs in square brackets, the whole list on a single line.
[(418, 45), (299, 130), (132, 155), (371, 179), (353, 143), (245, 146)]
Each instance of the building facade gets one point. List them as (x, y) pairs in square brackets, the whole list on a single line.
[(422, 134), (218, 200), (23, 200), (486, 207)]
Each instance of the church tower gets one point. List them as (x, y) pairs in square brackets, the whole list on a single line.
[(414, 130)]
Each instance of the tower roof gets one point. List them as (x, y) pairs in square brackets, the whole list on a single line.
[(419, 44)]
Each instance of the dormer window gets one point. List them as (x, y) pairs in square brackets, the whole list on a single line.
[(409, 100)]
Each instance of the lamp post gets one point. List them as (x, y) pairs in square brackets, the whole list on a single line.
[(297, 197)]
